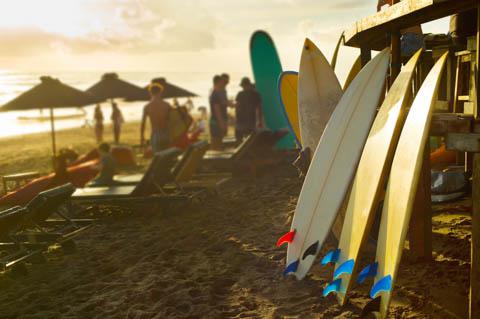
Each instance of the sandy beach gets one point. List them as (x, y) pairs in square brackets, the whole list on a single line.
[(217, 259), (33, 152)]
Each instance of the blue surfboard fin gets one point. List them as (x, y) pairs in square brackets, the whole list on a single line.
[(345, 268), (292, 267), (384, 284), (331, 257), (334, 286), (311, 250), (369, 271)]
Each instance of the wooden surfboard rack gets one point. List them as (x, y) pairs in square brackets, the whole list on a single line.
[(460, 130)]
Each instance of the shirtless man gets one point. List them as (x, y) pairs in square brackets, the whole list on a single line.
[(157, 111), (412, 37)]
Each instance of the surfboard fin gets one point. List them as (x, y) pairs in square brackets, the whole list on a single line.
[(331, 257), (334, 286), (287, 238), (384, 284), (312, 250), (345, 268), (369, 271), (292, 267)]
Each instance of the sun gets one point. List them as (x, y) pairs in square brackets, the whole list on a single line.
[(68, 18)]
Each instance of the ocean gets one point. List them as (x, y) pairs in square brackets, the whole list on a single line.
[(13, 83)]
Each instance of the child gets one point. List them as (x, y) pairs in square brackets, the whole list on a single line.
[(106, 167)]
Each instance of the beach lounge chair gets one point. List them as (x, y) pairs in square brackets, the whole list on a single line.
[(256, 151), (183, 176), (135, 189), (14, 252), (45, 222), (185, 173)]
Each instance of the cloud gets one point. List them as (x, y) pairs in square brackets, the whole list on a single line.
[(125, 26)]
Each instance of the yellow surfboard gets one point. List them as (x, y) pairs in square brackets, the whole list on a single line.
[(287, 86), (356, 67), (402, 187), (370, 179)]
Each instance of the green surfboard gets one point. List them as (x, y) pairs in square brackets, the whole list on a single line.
[(266, 71)]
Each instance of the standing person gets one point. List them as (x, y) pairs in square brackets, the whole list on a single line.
[(218, 113), (98, 122), (157, 111), (117, 120), (248, 110)]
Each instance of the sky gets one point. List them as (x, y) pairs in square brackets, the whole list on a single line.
[(170, 35)]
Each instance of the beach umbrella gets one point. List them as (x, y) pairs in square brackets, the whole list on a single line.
[(111, 86), (51, 94), (170, 91)]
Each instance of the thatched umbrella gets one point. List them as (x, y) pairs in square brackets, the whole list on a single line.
[(52, 94), (170, 91), (111, 86)]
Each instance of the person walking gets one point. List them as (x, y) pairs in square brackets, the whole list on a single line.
[(157, 111), (117, 121), (98, 123)]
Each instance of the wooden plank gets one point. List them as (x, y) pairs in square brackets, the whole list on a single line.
[(444, 123), (475, 247), (463, 142), (420, 229), (370, 31)]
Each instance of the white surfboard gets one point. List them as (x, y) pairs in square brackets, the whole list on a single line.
[(402, 186), (370, 178), (318, 93), (334, 164)]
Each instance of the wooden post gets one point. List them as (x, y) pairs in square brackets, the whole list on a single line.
[(420, 231), (396, 60), (475, 250), (365, 56), (475, 246)]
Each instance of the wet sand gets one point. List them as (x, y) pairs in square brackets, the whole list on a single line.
[(218, 259)]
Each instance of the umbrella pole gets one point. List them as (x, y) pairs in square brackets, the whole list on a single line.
[(52, 126)]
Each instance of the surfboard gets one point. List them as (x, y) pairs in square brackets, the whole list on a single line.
[(267, 68), (179, 121), (318, 94), (356, 67), (287, 88), (369, 181), (341, 40), (402, 186), (333, 166)]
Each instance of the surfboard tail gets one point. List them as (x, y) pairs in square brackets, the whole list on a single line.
[(287, 238), (345, 268), (383, 285), (331, 257), (334, 286), (291, 268)]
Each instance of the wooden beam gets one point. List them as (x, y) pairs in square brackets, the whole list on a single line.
[(365, 56), (475, 246), (420, 229), (370, 31), (444, 123), (396, 60), (463, 142)]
